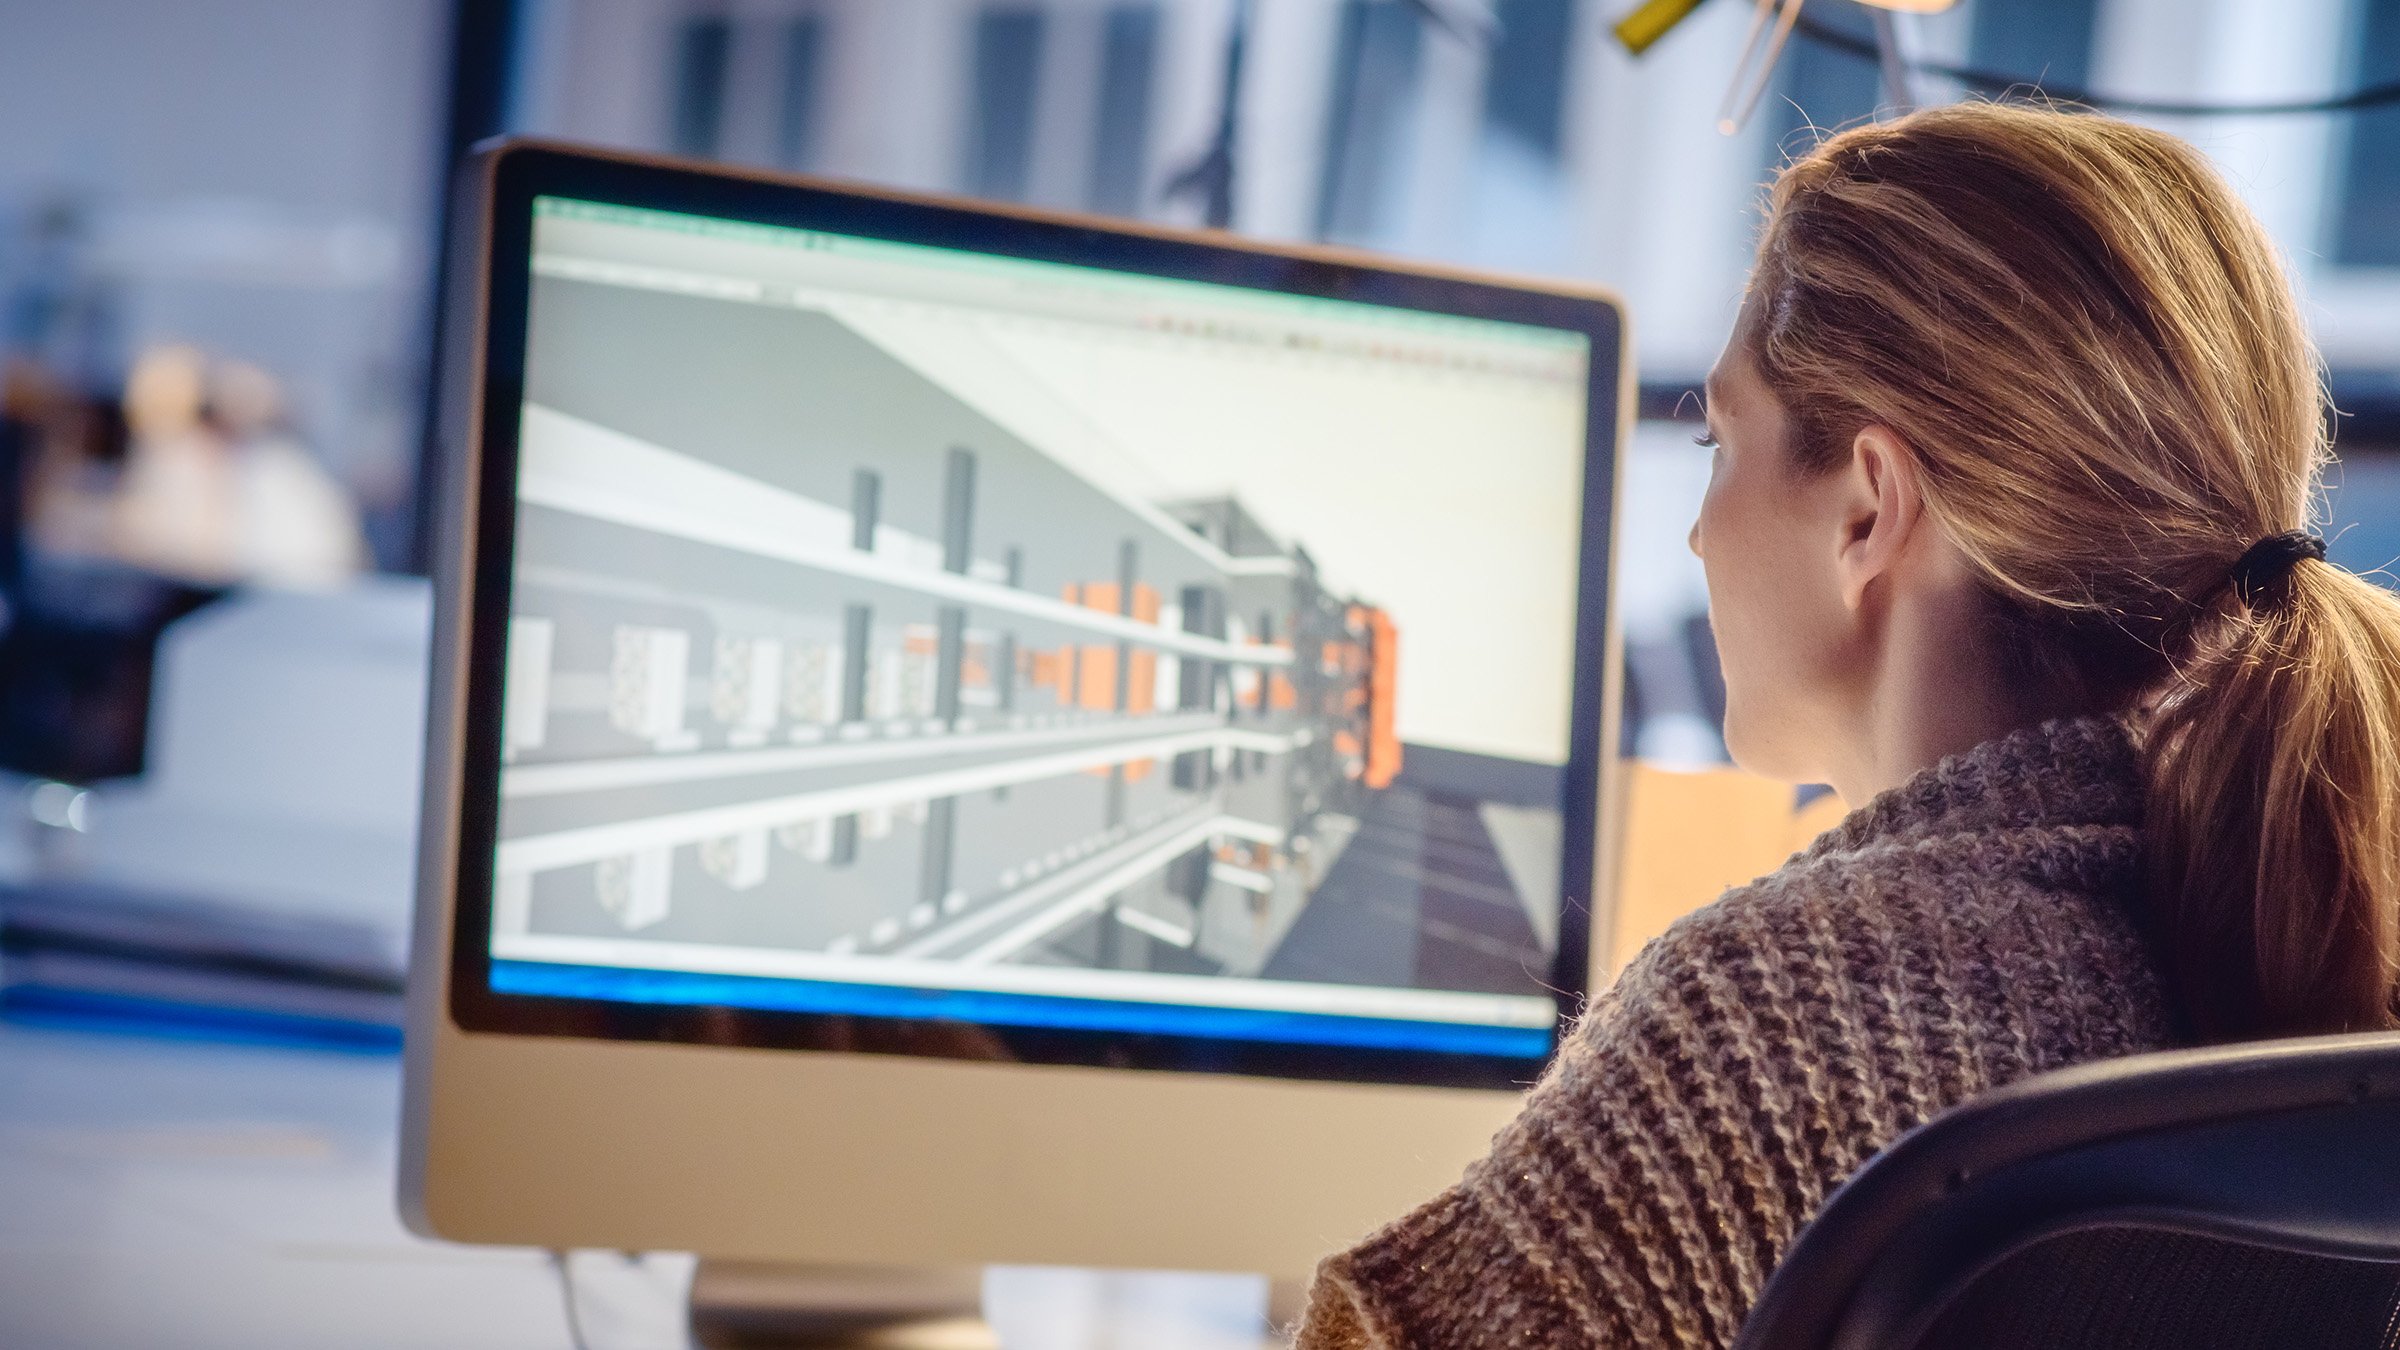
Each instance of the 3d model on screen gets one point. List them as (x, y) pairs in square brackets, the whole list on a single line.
[(808, 655)]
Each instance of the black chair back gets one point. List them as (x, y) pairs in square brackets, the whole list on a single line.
[(2217, 1199)]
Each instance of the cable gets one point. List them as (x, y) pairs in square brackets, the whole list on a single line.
[(1998, 83), (1757, 63), (566, 1294)]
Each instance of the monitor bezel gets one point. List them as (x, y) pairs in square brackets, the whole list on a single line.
[(493, 276)]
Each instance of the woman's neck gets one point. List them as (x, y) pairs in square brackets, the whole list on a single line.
[(1934, 688)]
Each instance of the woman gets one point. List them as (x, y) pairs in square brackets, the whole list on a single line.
[(2016, 440)]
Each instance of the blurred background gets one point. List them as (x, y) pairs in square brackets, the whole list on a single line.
[(221, 228)]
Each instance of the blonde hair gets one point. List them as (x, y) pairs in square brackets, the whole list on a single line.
[(2092, 349)]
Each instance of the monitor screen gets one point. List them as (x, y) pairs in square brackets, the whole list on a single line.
[(901, 631)]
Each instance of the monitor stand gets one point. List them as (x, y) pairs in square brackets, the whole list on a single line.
[(740, 1305)]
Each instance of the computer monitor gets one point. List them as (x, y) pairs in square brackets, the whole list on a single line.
[(968, 735)]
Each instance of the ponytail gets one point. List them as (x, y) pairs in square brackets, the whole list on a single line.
[(2273, 815)]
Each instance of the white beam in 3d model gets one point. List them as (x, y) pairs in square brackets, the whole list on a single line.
[(594, 775), (563, 848), (568, 464)]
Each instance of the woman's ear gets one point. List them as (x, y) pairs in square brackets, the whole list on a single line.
[(1882, 511)]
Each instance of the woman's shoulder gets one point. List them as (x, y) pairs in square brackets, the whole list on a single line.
[(2006, 952), (2076, 876)]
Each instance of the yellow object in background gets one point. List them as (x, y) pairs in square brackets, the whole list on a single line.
[(1689, 836), (1651, 21)]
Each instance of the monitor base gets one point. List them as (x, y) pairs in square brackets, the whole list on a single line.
[(742, 1305)]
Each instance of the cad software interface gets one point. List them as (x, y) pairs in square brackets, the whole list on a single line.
[(909, 631)]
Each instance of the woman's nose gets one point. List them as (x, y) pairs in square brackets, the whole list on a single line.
[(1693, 538)]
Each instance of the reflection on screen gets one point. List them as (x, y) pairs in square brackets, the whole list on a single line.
[(900, 630)]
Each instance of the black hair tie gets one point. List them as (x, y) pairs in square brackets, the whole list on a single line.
[(2262, 569)]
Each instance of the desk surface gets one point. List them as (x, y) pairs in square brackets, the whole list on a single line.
[(158, 1192)]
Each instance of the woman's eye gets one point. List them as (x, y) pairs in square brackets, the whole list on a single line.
[(1705, 440)]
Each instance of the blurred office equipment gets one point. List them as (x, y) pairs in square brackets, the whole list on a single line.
[(120, 515), (2233, 1196), (183, 653), (77, 629), (283, 758), (216, 489), (96, 955), (1066, 691), (254, 876)]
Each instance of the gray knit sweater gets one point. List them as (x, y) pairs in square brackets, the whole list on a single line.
[(1969, 927)]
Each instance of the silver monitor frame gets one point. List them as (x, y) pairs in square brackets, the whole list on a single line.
[(871, 1159)]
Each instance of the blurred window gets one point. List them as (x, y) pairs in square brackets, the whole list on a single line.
[(2046, 42), (1121, 137), (803, 88), (1368, 129), (1525, 91), (1008, 64), (2366, 219), (701, 53)]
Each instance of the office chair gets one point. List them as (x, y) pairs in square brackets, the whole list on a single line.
[(2234, 1198)]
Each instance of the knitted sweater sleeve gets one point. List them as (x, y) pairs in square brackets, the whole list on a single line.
[(1704, 1107)]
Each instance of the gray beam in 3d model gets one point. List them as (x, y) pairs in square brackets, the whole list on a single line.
[(866, 507), (958, 544), (958, 519), (858, 630), (941, 844)]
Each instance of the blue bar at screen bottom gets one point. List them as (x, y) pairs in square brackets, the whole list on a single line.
[(613, 984)]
